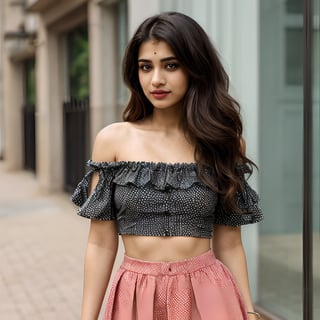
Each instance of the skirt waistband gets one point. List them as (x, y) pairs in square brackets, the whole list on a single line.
[(169, 268)]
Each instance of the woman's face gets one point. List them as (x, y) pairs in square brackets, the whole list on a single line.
[(162, 78)]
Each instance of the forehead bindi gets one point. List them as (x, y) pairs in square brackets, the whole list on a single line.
[(154, 49)]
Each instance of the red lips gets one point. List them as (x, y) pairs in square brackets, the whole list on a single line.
[(160, 94)]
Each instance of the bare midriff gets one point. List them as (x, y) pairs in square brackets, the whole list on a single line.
[(164, 249)]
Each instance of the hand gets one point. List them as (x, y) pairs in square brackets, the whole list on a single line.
[(254, 316)]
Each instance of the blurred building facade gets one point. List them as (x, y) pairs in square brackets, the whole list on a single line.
[(61, 83), (1, 88)]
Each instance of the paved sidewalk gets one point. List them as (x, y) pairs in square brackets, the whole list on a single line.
[(42, 244)]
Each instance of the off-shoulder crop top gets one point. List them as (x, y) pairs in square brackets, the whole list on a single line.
[(160, 199)]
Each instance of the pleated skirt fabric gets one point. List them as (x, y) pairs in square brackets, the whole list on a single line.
[(200, 288)]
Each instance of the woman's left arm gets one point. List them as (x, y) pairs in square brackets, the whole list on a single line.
[(227, 247)]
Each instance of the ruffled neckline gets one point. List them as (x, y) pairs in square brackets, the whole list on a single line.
[(136, 164), (161, 175), (153, 165)]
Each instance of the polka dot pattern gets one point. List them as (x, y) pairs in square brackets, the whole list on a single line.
[(160, 199)]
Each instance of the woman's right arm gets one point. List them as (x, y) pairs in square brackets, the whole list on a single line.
[(99, 259), (102, 243)]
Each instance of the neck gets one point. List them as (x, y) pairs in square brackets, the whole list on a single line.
[(166, 120)]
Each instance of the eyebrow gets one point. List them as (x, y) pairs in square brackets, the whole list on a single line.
[(162, 60)]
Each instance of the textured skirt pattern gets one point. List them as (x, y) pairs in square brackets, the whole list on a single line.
[(200, 288)]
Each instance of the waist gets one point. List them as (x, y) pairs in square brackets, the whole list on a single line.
[(164, 249), (169, 268)]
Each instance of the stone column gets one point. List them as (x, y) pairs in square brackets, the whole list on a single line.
[(103, 64), (49, 120), (12, 89), (1, 85), (13, 123)]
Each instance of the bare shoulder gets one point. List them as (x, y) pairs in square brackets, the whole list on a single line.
[(108, 141)]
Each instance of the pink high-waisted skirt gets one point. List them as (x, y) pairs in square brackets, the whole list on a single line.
[(200, 288)]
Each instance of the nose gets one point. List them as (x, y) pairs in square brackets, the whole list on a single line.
[(158, 78)]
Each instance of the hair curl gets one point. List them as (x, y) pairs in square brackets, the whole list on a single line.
[(210, 117)]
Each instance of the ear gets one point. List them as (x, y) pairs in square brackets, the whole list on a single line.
[(242, 146), (242, 150)]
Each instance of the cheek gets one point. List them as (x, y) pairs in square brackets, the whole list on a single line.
[(142, 81), (184, 83)]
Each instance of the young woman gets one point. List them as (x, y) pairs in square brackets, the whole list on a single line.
[(170, 181)]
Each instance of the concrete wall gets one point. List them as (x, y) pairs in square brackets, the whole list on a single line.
[(12, 87), (139, 10)]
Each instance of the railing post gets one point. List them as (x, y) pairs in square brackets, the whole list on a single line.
[(307, 163), (76, 131)]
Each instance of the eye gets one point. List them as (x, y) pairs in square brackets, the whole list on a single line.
[(172, 66), (145, 67)]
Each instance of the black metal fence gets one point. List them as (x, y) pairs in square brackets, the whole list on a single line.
[(29, 136), (76, 141)]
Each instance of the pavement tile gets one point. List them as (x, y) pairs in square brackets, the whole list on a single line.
[(42, 244)]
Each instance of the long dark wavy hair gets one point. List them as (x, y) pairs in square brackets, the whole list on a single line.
[(210, 117)]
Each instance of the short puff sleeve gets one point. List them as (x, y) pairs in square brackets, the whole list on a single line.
[(99, 204), (248, 202)]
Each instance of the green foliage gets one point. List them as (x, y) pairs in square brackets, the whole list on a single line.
[(30, 82), (78, 50)]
